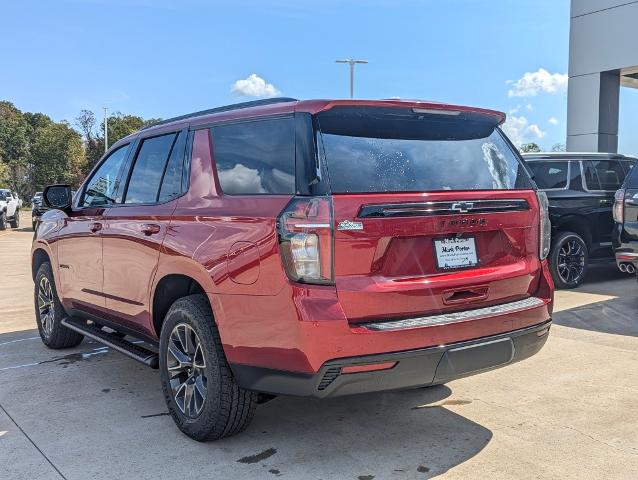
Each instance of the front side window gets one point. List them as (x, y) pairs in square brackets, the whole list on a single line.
[(256, 157), (603, 175), (144, 184), (550, 175), (103, 188), (371, 149)]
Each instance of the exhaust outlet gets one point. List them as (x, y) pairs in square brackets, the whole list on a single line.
[(623, 267), (630, 268)]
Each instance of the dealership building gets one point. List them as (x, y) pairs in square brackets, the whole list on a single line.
[(603, 57)]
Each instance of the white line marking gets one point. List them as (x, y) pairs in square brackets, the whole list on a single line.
[(19, 340)]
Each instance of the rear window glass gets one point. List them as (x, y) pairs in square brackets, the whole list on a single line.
[(548, 175), (603, 174), (370, 149), (256, 157)]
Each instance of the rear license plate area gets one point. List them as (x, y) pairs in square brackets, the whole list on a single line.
[(455, 252)]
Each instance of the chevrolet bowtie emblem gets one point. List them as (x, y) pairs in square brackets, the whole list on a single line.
[(462, 207)]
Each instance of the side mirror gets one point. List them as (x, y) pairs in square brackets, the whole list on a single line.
[(57, 197)]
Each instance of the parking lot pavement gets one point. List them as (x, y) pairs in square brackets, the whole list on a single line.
[(569, 412)]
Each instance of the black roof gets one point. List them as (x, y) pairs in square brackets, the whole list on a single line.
[(225, 108)]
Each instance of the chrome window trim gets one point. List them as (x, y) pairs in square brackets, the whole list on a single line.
[(454, 317)]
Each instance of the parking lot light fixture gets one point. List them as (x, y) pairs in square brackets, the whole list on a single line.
[(352, 63)]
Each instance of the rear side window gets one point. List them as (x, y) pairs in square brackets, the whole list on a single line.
[(603, 174), (103, 188), (550, 175), (256, 157), (371, 149), (172, 182), (144, 183)]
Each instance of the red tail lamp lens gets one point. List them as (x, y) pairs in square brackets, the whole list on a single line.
[(305, 239)]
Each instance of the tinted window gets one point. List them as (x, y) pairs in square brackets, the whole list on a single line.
[(550, 174), (104, 188), (3, 195), (603, 174), (398, 150), (143, 187), (256, 157), (632, 179), (172, 181)]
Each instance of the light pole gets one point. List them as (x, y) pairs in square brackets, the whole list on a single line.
[(352, 63), (106, 130)]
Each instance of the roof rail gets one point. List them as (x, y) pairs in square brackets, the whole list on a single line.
[(226, 108)]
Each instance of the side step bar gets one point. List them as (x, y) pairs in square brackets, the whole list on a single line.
[(141, 354)]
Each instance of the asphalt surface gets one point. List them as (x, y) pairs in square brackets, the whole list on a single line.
[(569, 412)]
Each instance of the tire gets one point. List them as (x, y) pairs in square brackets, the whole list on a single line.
[(568, 259), (48, 317), (226, 408), (3, 220), (15, 221), (34, 225)]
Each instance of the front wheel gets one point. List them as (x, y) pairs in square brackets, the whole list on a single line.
[(199, 387), (3, 220), (15, 222), (49, 312), (568, 260)]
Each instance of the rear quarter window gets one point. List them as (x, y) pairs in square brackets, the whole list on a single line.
[(255, 157), (605, 175)]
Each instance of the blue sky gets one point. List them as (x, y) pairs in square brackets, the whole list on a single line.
[(163, 58)]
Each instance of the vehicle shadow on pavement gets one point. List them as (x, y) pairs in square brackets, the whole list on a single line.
[(387, 435), (607, 303), (94, 405), (617, 316)]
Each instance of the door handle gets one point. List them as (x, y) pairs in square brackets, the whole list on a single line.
[(95, 227), (606, 202), (150, 229)]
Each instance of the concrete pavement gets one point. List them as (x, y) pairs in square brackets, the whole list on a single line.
[(569, 412)]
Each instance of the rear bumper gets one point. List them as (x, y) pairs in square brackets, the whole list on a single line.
[(413, 368)]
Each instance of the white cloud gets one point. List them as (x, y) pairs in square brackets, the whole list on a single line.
[(541, 81), (553, 120), (520, 131), (254, 86), (529, 107)]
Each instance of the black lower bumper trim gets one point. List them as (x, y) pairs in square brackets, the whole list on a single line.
[(413, 369)]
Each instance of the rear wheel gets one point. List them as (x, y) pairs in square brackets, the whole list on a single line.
[(199, 387), (568, 260), (15, 221), (49, 312)]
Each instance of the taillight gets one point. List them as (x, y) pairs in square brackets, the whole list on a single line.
[(305, 239), (545, 235), (619, 206)]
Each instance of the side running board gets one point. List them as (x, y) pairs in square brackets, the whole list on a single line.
[(136, 352)]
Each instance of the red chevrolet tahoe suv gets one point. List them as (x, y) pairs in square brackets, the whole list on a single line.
[(314, 248)]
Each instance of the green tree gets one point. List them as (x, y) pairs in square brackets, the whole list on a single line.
[(14, 147), (120, 126), (529, 147), (559, 147), (57, 156)]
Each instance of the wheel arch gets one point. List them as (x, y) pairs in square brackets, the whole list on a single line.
[(38, 257), (169, 287), (578, 224)]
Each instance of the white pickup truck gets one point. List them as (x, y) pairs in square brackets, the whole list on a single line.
[(9, 209)]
